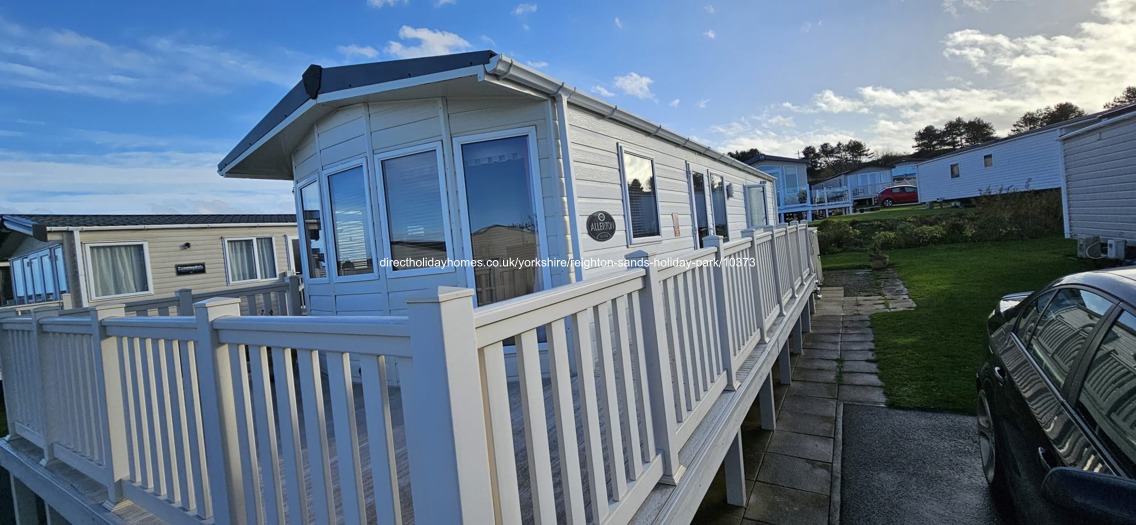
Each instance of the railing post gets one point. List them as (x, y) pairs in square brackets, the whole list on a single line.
[(794, 257), (445, 422), (218, 411), (776, 268), (751, 234), (112, 411), (658, 362), (293, 298), (724, 310), (52, 411), (184, 302), (66, 301)]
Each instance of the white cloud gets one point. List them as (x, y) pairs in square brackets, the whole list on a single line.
[(702, 103), (539, 64), (134, 182), (384, 3), (430, 42), (636, 85), (440, 3), (710, 34), (152, 68), (354, 50), (618, 23), (487, 40), (782, 121), (674, 103), (1088, 66), (952, 6), (602, 91), (709, 9), (522, 9)]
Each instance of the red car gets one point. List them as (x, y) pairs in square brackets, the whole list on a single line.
[(897, 195)]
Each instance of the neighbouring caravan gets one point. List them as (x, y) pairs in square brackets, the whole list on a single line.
[(403, 168), (1100, 182), (105, 259)]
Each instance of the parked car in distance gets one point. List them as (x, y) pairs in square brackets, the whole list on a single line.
[(903, 194), (1057, 400)]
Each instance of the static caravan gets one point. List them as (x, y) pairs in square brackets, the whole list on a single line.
[(792, 176), (85, 260), (448, 170), (1100, 182)]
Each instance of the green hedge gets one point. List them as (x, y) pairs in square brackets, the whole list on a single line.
[(998, 216)]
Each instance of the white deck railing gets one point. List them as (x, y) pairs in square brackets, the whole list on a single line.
[(231, 418)]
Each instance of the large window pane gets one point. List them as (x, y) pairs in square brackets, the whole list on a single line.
[(60, 268), (415, 219), (119, 270), (349, 219), (313, 231), (699, 198), (718, 197), (642, 199), (1107, 398), (502, 220), (19, 286), (266, 257), (755, 206), (1063, 329), (242, 260)]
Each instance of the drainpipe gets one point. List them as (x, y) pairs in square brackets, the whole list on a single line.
[(80, 269), (569, 181)]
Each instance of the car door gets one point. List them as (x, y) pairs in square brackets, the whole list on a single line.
[(1040, 366), (1106, 393)]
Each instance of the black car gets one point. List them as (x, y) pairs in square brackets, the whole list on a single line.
[(1057, 400)]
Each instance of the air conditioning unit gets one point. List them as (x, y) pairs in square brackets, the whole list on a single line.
[(1115, 248), (1088, 247)]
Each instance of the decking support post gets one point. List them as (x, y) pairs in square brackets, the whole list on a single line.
[(23, 502), (52, 411), (766, 405), (807, 315), (776, 269), (184, 302), (218, 411), (113, 408), (735, 473), (659, 383), (725, 317), (785, 365), (450, 476), (294, 299), (751, 234), (797, 336)]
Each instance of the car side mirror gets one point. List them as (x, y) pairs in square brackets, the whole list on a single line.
[(1093, 497)]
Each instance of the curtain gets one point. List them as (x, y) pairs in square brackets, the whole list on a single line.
[(242, 260), (266, 257), (119, 270)]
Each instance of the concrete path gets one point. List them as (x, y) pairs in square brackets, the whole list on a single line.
[(791, 472)]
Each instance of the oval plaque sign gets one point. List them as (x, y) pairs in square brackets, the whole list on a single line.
[(601, 226)]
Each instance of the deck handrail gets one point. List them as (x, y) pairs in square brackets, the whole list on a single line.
[(219, 416)]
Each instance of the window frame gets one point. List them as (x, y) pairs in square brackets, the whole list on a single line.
[(764, 203), (988, 160), (256, 257), (301, 230), (327, 217), (710, 175), (443, 193), (632, 240), (1077, 367), (90, 267), (956, 170)]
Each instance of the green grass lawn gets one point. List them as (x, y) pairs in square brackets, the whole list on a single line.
[(844, 261), (895, 212), (928, 356)]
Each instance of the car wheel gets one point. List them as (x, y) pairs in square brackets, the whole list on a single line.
[(989, 446), (887, 203)]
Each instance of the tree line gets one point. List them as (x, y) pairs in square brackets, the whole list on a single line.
[(828, 160)]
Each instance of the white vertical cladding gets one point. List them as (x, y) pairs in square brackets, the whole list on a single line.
[(594, 142), (1031, 161), (1100, 171)]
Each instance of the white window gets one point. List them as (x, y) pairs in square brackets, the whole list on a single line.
[(988, 160), (119, 269), (756, 202), (954, 171), (641, 198), (350, 213), (315, 249), (252, 259), (415, 209), (718, 201)]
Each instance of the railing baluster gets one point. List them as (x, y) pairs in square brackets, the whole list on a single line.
[(315, 431), (293, 459), (724, 310), (499, 433), (590, 412), (630, 413), (380, 439), (536, 429), (560, 371), (263, 410), (346, 437), (614, 441)]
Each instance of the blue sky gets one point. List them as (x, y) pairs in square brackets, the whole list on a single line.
[(117, 107)]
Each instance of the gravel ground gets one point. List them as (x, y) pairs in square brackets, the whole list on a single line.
[(858, 283)]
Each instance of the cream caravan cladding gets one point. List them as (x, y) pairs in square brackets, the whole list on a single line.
[(355, 116), (1100, 178)]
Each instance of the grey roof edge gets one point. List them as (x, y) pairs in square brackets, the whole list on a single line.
[(497, 67), (775, 158), (32, 223), (1105, 122)]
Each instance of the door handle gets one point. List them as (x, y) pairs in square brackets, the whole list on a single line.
[(1000, 375), (1043, 456)]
